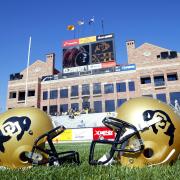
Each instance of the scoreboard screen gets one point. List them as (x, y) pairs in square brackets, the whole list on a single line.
[(76, 56), (102, 52), (88, 51)]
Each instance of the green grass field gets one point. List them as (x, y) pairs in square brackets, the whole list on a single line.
[(84, 171)]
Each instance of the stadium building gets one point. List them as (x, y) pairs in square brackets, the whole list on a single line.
[(91, 79)]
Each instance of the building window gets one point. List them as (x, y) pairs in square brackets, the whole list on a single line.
[(45, 95), (74, 90), (121, 87), (97, 88), (174, 96), (53, 94), (109, 105), (131, 86), (98, 106), (161, 97), (31, 93), (108, 88), (173, 54), (21, 96), (44, 108), (145, 80), (63, 108), (53, 110), (85, 89), (159, 80), (75, 106), (120, 102), (172, 77), (158, 56), (168, 55), (86, 105), (12, 95), (165, 55), (64, 93)]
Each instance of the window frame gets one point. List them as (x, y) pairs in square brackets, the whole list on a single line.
[(131, 85), (45, 95), (85, 89), (54, 94), (108, 88), (111, 106), (76, 89), (121, 87), (63, 93), (97, 88)]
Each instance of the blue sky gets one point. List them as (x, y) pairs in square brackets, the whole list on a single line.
[(153, 21)]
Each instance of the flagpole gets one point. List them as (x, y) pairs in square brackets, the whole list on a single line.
[(74, 34), (27, 71), (102, 24), (91, 21)]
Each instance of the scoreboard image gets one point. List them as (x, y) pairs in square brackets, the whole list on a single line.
[(76, 56), (87, 53)]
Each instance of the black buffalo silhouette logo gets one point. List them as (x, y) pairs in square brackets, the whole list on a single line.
[(149, 115), (13, 126)]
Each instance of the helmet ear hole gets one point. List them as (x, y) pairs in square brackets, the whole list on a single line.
[(23, 157), (148, 153)]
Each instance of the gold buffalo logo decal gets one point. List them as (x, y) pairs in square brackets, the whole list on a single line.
[(164, 121), (14, 126)]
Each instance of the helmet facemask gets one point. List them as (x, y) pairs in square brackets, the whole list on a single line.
[(47, 154), (124, 131)]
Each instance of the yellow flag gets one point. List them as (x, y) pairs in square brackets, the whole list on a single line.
[(71, 28)]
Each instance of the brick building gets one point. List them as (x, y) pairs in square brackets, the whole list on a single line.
[(151, 71)]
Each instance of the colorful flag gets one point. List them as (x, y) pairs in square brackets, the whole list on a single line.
[(71, 28), (91, 21), (80, 22)]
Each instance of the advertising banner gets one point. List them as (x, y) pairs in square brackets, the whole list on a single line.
[(73, 42), (82, 134), (103, 133), (87, 40), (128, 67), (118, 68), (104, 36), (75, 69), (66, 135), (94, 66), (108, 64)]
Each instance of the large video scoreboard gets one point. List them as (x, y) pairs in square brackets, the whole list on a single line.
[(88, 53)]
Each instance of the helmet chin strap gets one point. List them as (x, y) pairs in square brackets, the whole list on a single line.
[(166, 159), (105, 157)]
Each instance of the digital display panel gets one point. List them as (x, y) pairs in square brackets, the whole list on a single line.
[(102, 52), (76, 56), (88, 51)]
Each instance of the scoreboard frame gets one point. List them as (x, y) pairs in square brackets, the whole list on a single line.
[(104, 43)]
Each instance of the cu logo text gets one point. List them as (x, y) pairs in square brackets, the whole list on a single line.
[(10, 128)]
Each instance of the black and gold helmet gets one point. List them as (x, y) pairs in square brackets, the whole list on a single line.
[(147, 133), (23, 134)]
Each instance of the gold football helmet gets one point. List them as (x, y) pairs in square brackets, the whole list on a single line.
[(23, 134), (147, 133)]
